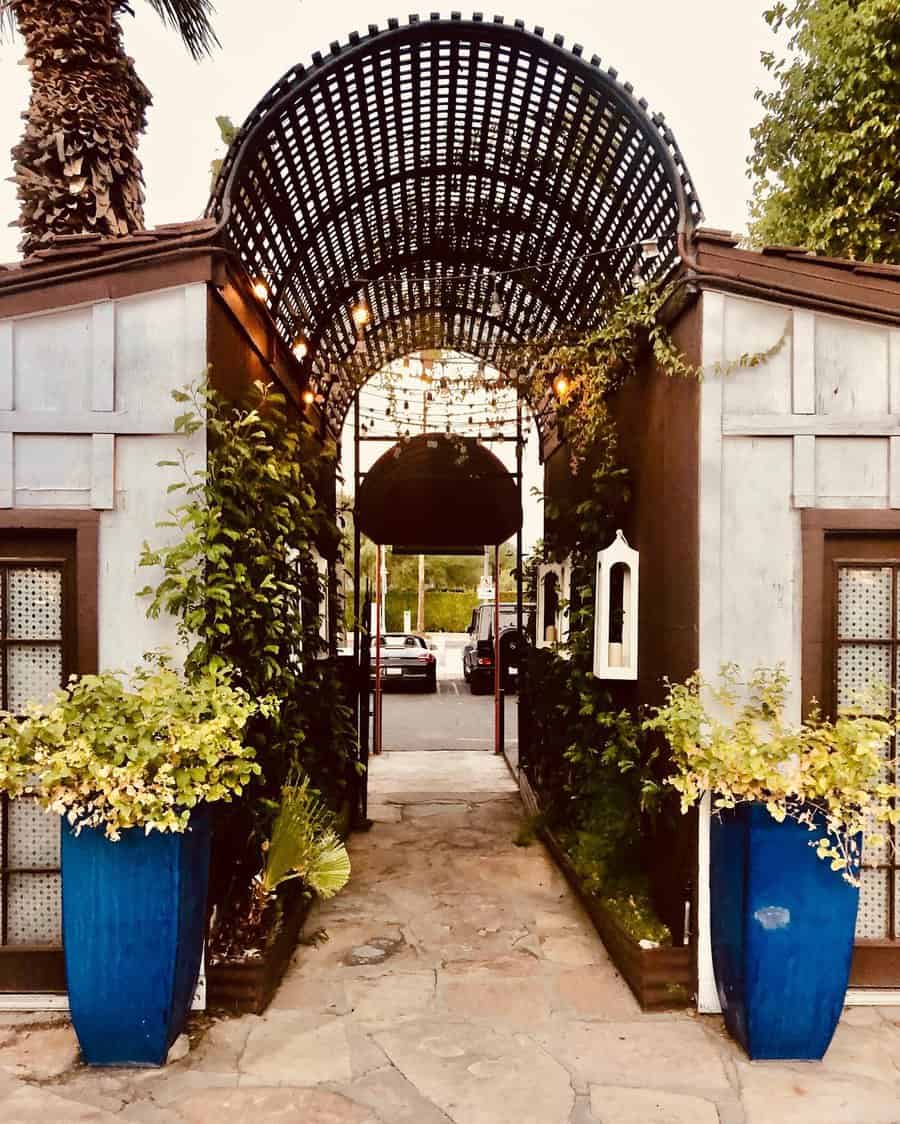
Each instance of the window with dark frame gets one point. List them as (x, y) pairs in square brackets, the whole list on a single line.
[(33, 663)]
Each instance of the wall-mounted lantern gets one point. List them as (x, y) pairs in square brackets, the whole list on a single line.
[(553, 595), (616, 611)]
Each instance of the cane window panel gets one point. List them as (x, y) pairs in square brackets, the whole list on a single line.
[(866, 664), (32, 666)]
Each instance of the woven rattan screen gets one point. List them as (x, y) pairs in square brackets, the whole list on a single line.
[(425, 159)]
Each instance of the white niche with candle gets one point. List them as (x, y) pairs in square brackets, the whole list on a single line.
[(554, 591), (615, 617)]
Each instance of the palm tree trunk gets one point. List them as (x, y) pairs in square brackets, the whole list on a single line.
[(76, 167)]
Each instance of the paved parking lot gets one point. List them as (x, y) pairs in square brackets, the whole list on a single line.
[(453, 718)]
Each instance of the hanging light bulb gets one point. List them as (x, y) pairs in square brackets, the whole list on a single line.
[(361, 312), (260, 289), (301, 348), (561, 386), (637, 279), (496, 302), (308, 397)]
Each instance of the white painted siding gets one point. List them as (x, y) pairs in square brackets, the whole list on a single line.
[(812, 427), (85, 415)]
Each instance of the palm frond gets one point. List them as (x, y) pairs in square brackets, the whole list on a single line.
[(304, 843), (192, 19), (7, 19), (330, 870)]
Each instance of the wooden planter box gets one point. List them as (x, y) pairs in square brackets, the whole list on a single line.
[(661, 978), (247, 986)]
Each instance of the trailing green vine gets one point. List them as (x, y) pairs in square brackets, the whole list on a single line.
[(240, 576), (595, 765), (599, 362)]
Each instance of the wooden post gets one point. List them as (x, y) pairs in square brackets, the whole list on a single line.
[(376, 739), (498, 700), (420, 599)]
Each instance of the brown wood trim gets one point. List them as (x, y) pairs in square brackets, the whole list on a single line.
[(27, 969), (86, 527), (816, 524), (875, 964), (841, 288), (105, 280)]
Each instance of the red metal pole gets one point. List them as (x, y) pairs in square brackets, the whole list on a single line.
[(376, 733), (498, 727)]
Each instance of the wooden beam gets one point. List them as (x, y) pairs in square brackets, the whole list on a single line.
[(810, 425), (87, 422)]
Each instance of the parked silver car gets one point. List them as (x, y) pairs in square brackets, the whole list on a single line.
[(405, 659)]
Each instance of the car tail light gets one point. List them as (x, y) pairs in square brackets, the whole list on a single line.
[(484, 661), (426, 657)]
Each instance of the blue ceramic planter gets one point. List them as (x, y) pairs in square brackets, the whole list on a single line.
[(782, 934), (134, 914)]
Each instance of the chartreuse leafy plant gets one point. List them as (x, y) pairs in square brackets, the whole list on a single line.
[(116, 753), (732, 740)]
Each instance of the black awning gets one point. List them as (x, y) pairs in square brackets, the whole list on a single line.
[(438, 494)]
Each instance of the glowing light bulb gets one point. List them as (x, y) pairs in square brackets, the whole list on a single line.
[(260, 289), (561, 386), (301, 348), (361, 312), (308, 397)]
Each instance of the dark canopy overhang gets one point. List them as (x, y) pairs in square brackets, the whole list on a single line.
[(438, 494), (425, 158)]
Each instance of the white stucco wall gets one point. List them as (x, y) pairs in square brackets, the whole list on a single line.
[(85, 415), (815, 426)]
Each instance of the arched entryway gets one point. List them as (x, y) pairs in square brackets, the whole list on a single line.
[(448, 183)]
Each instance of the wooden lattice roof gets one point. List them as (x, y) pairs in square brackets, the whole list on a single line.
[(424, 159)]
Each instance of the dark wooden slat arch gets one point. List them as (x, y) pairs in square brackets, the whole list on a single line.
[(426, 158)]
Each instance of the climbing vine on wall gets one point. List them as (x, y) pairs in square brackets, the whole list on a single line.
[(241, 578), (597, 771), (586, 368)]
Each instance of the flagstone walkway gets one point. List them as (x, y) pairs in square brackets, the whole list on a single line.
[(460, 982)]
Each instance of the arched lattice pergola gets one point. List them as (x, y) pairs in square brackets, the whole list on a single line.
[(427, 159)]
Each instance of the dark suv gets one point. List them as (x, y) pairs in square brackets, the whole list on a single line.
[(478, 654)]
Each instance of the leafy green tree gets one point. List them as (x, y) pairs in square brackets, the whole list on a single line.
[(826, 155)]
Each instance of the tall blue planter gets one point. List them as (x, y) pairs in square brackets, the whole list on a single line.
[(782, 926), (133, 915)]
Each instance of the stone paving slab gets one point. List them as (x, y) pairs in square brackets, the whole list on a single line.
[(461, 983)]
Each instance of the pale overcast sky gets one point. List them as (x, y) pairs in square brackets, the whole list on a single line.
[(697, 61)]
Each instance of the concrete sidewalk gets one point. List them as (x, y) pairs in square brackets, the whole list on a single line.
[(461, 983)]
